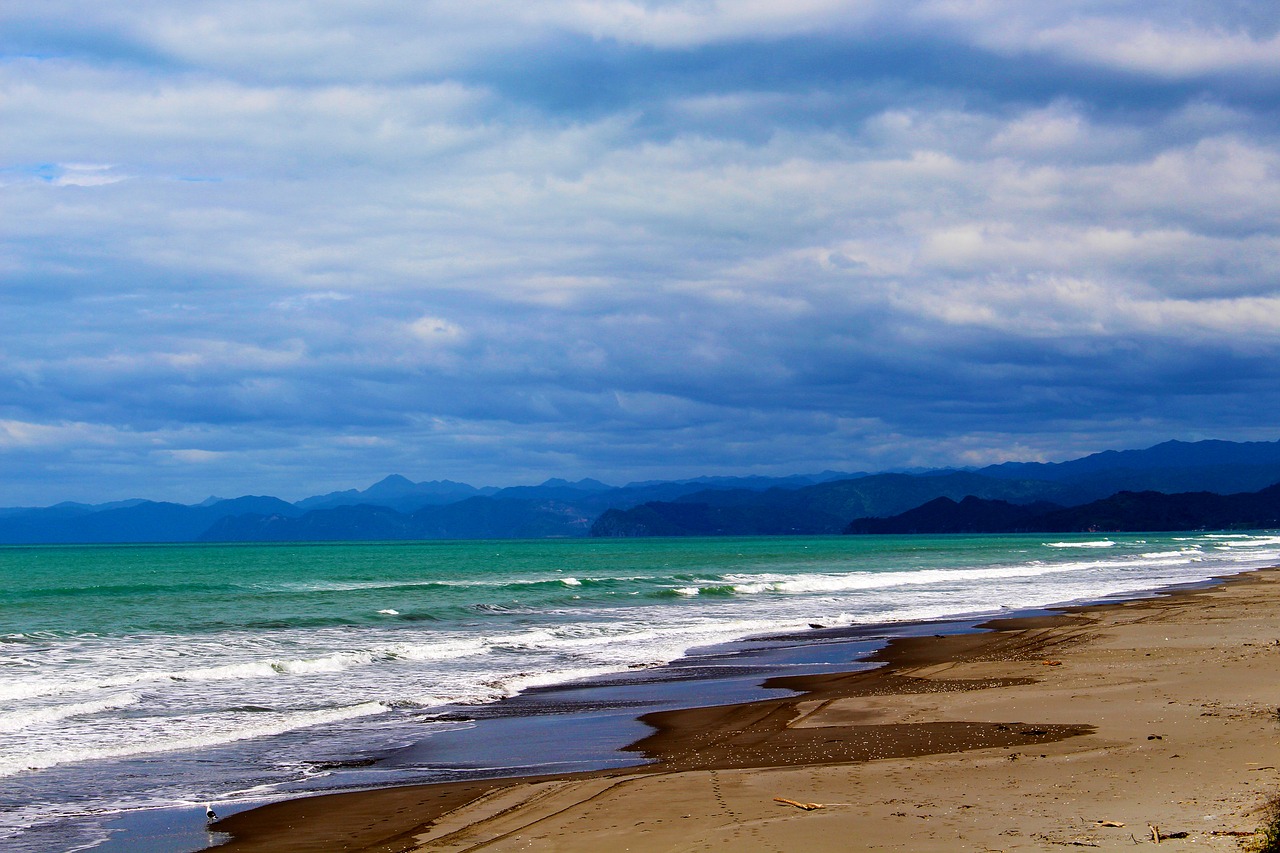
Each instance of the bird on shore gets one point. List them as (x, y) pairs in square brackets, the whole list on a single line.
[(209, 814)]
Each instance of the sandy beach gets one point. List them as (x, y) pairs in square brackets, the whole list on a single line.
[(1087, 728)]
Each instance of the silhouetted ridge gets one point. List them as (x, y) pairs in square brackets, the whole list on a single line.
[(1123, 512), (970, 515)]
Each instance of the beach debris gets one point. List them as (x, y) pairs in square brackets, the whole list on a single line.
[(1109, 823), (806, 806), (1158, 835), (1051, 663)]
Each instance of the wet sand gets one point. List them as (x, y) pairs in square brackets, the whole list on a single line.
[(1034, 734)]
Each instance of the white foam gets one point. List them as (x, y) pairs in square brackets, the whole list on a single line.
[(360, 586), (528, 680), (862, 581), (625, 647), (439, 650), (216, 734), (511, 684), (19, 720), (1249, 542), (1163, 555), (239, 671), (1101, 543)]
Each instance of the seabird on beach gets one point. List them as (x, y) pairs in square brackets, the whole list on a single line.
[(209, 813)]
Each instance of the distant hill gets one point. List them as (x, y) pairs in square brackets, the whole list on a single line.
[(700, 519), (473, 518), (1216, 466), (1211, 466), (399, 508), (969, 515), (824, 508), (145, 521), (1122, 512), (397, 492), (1138, 511)]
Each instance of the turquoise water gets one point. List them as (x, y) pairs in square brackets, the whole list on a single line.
[(141, 676)]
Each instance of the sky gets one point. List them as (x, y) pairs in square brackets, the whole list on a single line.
[(293, 247)]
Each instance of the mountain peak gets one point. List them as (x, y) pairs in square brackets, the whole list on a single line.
[(398, 481), (587, 484)]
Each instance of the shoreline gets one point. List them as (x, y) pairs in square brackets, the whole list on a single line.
[(934, 701)]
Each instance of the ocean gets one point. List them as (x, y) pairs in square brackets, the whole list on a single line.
[(140, 680)]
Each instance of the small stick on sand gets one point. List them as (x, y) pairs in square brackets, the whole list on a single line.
[(1155, 832), (806, 806)]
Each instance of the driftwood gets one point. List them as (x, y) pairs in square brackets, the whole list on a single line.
[(806, 806), (1108, 823)]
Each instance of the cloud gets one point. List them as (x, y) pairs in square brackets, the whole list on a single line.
[(684, 23), (86, 175), (1187, 39), (626, 239), (25, 434), (192, 456), (1164, 52)]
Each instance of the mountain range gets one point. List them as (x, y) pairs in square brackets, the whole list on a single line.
[(830, 502)]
